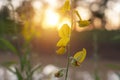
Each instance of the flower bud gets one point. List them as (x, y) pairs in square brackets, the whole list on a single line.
[(59, 73)]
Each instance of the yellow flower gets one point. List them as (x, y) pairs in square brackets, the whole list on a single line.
[(79, 57), (61, 50), (66, 6), (83, 23), (63, 42), (64, 34), (65, 31)]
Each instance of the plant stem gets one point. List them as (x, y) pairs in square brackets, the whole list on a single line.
[(68, 55), (67, 67)]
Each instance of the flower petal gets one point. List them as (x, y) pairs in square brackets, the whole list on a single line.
[(80, 56), (63, 42), (65, 31), (61, 50), (66, 6), (83, 23)]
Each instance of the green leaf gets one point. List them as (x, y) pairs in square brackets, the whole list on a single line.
[(11, 70), (18, 74), (24, 60), (36, 68), (5, 44)]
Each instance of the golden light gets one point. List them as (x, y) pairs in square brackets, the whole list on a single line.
[(38, 8), (36, 19), (51, 19), (37, 5), (64, 21)]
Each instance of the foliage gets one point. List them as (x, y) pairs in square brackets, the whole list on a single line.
[(7, 24), (4, 44), (4, 13), (25, 70)]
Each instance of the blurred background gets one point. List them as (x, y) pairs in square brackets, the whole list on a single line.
[(101, 38)]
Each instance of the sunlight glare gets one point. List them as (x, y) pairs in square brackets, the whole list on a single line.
[(51, 19), (64, 21)]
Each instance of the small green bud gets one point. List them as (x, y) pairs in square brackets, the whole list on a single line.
[(59, 73), (74, 62)]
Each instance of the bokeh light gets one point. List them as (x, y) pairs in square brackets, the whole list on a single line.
[(49, 69), (112, 20), (84, 13), (37, 5)]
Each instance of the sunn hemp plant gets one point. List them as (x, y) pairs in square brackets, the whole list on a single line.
[(24, 69), (65, 36)]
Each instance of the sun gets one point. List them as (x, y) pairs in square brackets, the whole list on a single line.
[(51, 19), (47, 17)]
